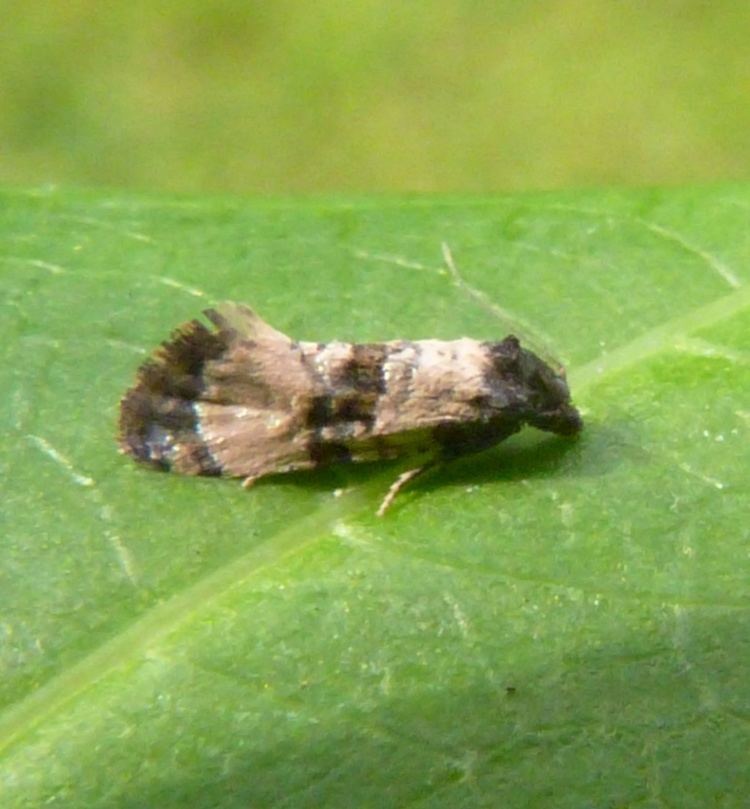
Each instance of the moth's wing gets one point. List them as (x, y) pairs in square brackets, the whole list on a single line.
[(410, 398), (225, 401), (250, 442), (260, 367), (239, 322)]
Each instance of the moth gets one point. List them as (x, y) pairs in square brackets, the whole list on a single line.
[(242, 399)]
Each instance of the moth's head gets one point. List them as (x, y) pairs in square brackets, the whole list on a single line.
[(537, 389)]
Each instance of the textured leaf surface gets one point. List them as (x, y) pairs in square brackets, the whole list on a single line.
[(551, 623)]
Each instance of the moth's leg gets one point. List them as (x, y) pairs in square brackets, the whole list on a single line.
[(398, 484), (249, 480)]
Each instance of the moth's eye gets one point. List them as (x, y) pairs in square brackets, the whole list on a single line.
[(480, 402)]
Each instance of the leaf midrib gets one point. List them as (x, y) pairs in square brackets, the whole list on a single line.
[(657, 340)]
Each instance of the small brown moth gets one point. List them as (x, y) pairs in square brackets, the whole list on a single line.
[(245, 400)]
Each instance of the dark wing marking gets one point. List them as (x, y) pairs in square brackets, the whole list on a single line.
[(228, 401), (158, 424)]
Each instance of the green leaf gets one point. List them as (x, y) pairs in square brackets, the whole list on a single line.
[(551, 623)]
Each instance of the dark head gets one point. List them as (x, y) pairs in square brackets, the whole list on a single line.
[(538, 391)]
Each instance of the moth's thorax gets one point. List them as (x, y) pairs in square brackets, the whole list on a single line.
[(422, 381), (457, 360), (420, 364), (437, 375)]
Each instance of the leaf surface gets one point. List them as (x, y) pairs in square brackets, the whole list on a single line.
[(551, 623)]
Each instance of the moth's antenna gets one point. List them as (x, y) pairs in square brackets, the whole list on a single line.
[(532, 335)]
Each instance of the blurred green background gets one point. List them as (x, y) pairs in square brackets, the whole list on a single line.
[(299, 96)]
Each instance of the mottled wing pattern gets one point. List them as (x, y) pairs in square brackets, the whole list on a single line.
[(231, 401), (245, 400), (384, 400)]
